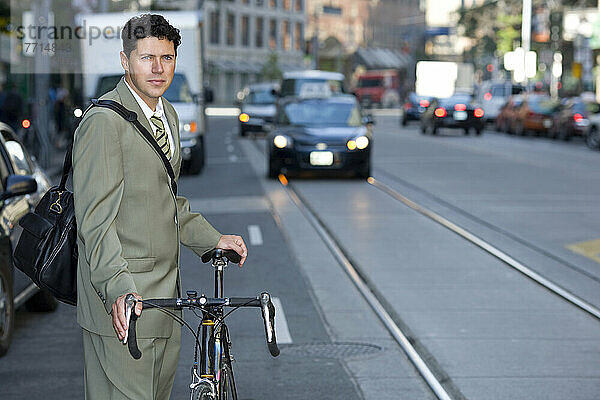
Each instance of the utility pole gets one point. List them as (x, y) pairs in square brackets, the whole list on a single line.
[(526, 32)]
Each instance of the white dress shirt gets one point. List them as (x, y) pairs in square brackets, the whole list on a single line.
[(160, 113)]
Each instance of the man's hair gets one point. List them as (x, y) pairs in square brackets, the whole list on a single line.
[(148, 25)]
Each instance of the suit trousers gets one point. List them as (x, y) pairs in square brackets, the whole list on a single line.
[(112, 374)]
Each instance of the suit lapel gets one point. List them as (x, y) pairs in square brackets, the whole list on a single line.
[(131, 103), (172, 119)]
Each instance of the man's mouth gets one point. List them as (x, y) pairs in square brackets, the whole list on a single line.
[(156, 82)]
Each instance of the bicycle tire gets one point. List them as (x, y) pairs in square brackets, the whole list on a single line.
[(227, 389), (203, 392)]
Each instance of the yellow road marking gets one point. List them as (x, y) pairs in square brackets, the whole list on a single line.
[(589, 249)]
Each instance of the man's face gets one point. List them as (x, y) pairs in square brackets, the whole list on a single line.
[(150, 67)]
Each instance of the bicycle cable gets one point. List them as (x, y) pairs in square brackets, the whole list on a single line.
[(176, 317), (221, 319)]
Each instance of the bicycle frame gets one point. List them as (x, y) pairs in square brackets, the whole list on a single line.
[(215, 344), (212, 373)]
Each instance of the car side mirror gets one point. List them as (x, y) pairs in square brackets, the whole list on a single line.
[(19, 185), (368, 120), (209, 95)]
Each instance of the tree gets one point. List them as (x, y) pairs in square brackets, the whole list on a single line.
[(270, 70)]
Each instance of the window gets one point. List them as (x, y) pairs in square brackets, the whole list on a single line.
[(273, 3), (298, 36), (230, 29), (259, 34), (245, 1), (273, 34), (299, 5), (286, 35), (245, 31), (287, 4), (260, 3), (214, 27)]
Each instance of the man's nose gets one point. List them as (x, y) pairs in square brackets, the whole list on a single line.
[(157, 67)]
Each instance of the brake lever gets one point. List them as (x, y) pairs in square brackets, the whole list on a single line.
[(268, 314)]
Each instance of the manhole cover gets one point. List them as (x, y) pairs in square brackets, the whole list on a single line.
[(331, 350)]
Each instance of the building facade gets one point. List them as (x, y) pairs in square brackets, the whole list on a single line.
[(344, 20), (240, 35), (396, 25)]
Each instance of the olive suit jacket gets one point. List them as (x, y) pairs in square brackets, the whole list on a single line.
[(129, 223)]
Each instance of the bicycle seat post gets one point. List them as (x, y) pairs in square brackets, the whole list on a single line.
[(219, 264)]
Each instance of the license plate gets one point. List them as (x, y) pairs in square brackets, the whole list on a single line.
[(460, 115), (321, 158), (547, 123)]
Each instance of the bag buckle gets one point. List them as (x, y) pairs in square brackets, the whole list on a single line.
[(56, 207)]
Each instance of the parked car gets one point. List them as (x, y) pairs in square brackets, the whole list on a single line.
[(572, 118), (379, 87), (592, 136), (457, 111), (257, 107), (503, 122), (311, 83), (414, 107), (493, 95), (535, 114), (319, 134), (23, 184)]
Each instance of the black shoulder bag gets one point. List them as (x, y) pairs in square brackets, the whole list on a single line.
[(47, 248)]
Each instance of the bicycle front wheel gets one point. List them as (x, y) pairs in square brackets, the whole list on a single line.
[(203, 392), (227, 384)]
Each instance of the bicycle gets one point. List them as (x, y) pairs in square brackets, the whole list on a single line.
[(212, 373)]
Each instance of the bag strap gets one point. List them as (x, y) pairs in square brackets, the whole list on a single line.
[(131, 116)]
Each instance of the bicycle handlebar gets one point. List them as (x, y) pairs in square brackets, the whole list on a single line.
[(263, 301)]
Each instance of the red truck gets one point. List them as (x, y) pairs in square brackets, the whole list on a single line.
[(378, 87)]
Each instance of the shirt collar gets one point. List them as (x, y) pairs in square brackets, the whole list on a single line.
[(159, 112)]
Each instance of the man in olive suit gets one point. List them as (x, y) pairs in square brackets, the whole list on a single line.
[(130, 224)]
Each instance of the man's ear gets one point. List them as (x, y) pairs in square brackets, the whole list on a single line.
[(124, 61)]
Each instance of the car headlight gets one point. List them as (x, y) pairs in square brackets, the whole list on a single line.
[(360, 143), (244, 117), (281, 141), (188, 129)]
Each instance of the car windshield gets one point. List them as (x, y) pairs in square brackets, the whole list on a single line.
[(369, 82), (415, 98), (450, 101), (106, 84), (585, 107), (260, 96), (315, 112), (178, 92), (542, 104)]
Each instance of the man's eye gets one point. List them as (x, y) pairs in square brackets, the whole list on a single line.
[(168, 58)]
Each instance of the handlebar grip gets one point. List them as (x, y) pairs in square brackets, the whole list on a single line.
[(166, 303), (268, 314), (132, 338)]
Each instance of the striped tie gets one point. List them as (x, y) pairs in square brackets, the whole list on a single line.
[(161, 136)]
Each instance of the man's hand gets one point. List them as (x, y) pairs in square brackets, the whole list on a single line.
[(118, 314), (235, 243)]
